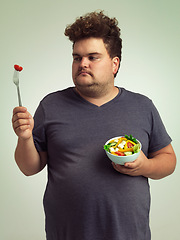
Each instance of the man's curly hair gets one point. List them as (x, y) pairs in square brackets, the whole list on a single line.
[(98, 25)]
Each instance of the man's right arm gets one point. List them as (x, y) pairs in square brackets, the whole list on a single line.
[(28, 159)]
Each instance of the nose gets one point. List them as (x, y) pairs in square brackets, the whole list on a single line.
[(84, 62)]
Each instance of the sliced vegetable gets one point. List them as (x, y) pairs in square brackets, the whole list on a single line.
[(128, 153), (18, 68), (123, 146), (130, 144), (125, 149), (120, 153), (136, 148)]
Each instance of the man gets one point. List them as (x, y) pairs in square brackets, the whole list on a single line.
[(87, 197)]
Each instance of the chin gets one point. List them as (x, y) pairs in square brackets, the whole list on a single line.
[(83, 82), (90, 90)]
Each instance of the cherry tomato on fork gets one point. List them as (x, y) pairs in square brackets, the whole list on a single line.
[(18, 68)]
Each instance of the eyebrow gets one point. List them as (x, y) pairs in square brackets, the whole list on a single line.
[(89, 54)]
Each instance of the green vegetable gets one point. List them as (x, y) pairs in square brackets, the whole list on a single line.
[(131, 138), (136, 148), (128, 153), (107, 146)]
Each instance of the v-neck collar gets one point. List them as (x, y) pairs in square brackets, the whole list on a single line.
[(92, 105)]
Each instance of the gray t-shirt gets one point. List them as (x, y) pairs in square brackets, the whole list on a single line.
[(85, 198)]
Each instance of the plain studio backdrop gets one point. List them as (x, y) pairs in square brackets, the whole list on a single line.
[(32, 35)]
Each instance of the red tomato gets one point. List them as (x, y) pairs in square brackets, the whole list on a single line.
[(120, 153), (130, 145), (18, 68)]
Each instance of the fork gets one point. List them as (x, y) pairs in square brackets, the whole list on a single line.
[(16, 82)]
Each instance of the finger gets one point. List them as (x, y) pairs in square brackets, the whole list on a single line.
[(20, 115), (118, 167), (131, 164), (20, 122), (21, 129), (19, 109)]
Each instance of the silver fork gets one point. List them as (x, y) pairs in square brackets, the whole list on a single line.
[(16, 82)]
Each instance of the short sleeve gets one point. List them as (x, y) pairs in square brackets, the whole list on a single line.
[(159, 137), (39, 135)]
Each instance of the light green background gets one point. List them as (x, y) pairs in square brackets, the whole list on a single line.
[(32, 35)]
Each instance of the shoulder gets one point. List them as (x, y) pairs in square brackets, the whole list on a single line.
[(134, 95), (135, 98), (58, 95)]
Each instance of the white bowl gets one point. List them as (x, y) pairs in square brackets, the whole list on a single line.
[(122, 159)]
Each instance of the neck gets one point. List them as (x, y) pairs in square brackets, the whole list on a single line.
[(102, 99)]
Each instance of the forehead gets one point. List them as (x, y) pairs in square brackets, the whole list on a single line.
[(89, 45)]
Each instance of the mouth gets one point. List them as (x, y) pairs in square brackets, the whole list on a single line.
[(84, 73)]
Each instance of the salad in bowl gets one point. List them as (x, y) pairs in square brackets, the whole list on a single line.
[(122, 149)]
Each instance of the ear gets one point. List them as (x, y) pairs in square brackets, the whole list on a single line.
[(115, 62)]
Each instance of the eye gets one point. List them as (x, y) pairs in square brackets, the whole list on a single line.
[(92, 58), (77, 59)]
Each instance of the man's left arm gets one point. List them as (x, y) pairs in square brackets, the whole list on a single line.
[(158, 165)]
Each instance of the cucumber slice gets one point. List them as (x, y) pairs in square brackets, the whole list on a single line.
[(128, 153)]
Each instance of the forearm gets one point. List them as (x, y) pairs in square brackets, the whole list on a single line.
[(27, 157), (160, 166)]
